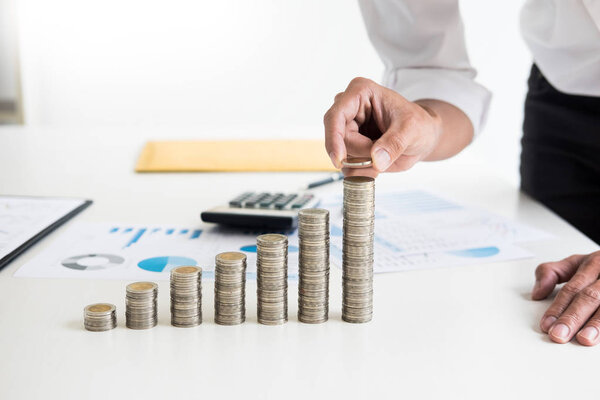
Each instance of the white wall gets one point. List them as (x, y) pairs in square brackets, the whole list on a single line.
[(8, 59), (182, 64)]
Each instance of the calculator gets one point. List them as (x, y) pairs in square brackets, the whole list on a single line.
[(262, 210)]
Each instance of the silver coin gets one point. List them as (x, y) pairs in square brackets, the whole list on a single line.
[(357, 249), (357, 162), (230, 288)]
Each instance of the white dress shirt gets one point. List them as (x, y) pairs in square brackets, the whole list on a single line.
[(421, 43)]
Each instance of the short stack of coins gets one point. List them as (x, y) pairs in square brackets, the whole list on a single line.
[(140, 305), (313, 263), (230, 288), (100, 317), (357, 259), (271, 278), (186, 296)]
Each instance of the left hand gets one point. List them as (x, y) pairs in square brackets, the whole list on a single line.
[(575, 310)]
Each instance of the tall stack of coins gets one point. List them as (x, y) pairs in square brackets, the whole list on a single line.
[(230, 288), (186, 296), (271, 278), (140, 305), (357, 259), (100, 317), (313, 262)]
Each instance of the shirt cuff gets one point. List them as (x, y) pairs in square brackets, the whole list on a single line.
[(452, 86)]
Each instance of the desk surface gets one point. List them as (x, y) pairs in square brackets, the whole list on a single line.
[(463, 332)]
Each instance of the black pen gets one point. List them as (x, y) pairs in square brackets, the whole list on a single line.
[(333, 178)]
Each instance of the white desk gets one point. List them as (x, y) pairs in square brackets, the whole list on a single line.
[(464, 332)]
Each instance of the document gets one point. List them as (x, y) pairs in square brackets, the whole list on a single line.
[(23, 220), (419, 229), (413, 230), (144, 252)]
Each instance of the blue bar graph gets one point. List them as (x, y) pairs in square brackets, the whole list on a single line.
[(196, 234), (169, 231), (136, 237)]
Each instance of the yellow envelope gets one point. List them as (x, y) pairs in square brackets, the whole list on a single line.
[(234, 156)]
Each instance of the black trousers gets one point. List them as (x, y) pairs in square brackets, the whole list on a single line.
[(560, 159)]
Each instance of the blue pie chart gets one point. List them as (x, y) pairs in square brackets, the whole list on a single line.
[(480, 252), (160, 264), (251, 248)]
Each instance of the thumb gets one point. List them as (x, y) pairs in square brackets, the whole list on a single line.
[(388, 148), (548, 275)]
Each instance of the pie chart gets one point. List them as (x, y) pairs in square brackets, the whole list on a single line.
[(165, 263)]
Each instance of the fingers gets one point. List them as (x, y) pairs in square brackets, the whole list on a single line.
[(585, 275), (563, 299), (389, 147), (411, 128), (371, 172), (335, 127), (357, 145), (548, 275), (581, 308), (403, 163), (352, 104), (590, 334)]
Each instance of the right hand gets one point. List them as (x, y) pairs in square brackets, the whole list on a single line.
[(575, 312), (369, 120)]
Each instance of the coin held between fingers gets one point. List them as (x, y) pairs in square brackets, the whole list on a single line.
[(357, 162)]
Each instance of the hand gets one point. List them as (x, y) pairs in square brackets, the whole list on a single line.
[(575, 310), (369, 120)]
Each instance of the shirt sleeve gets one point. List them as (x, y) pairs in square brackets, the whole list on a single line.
[(422, 46)]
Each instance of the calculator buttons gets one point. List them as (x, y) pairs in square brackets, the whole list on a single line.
[(282, 202), (255, 199), (270, 200), (239, 200), (302, 201)]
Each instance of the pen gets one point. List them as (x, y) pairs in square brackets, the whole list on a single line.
[(333, 178)]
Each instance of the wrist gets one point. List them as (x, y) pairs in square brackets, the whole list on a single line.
[(454, 128)]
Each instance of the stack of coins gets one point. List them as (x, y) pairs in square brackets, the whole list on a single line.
[(357, 259), (230, 288), (100, 317), (140, 305), (186, 296), (271, 278), (313, 262)]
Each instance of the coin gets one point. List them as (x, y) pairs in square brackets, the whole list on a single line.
[(186, 296), (313, 265), (271, 278), (357, 249), (141, 305), (230, 288), (357, 162), (141, 286), (99, 317)]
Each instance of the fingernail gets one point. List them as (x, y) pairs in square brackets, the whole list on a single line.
[(547, 323), (590, 333), (382, 159), (560, 331), (333, 159)]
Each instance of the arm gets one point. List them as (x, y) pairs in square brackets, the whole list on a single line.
[(422, 46), (431, 106), (456, 130)]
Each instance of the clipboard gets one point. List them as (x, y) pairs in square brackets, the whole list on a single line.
[(41, 233)]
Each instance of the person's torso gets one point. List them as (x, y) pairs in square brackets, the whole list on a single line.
[(564, 38)]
